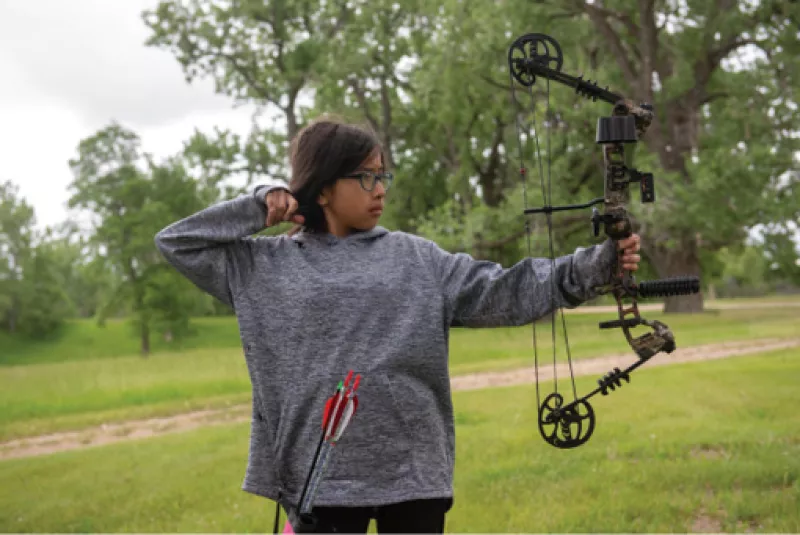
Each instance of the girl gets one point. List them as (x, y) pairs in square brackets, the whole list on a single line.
[(340, 292)]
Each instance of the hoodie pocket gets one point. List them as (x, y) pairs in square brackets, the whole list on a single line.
[(376, 446)]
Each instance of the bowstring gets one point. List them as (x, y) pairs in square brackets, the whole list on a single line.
[(547, 199), (523, 176), (548, 129)]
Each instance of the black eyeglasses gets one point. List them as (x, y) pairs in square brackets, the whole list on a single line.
[(368, 179)]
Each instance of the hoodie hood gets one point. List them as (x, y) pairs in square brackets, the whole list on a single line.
[(330, 239)]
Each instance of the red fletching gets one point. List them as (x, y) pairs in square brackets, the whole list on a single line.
[(337, 418), (337, 406), (327, 414)]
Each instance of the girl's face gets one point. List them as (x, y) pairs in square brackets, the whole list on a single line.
[(348, 205)]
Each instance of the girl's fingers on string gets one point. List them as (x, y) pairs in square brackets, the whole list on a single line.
[(291, 213), (291, 208), (276, 205)]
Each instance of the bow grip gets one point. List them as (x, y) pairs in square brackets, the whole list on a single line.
[(616, 222)]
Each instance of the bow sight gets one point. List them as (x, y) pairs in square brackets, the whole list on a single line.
[(537, 55)]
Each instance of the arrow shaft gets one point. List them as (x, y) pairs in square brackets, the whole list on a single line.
[(315, 478)]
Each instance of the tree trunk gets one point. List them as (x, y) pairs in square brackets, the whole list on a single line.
[(679, 262), (12, 319), (684, 304), (145, 338), (139, 308), (291, 121), (682, 124)]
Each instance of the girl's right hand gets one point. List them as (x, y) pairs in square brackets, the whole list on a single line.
[(281, 206)]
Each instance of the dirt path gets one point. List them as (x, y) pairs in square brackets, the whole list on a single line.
[(135, 429), (602, 365)]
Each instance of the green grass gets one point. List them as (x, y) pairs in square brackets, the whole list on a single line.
[(70, 395), (85, 340), (57, 396), (774, 298), (715, 442), (686, 442)]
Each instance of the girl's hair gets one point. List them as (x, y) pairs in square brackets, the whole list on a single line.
[(322, 152)]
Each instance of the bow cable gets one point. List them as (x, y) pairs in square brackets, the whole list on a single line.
[(523, 173), (547, 199)]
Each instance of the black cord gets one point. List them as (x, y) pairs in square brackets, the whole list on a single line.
[(277, 518)]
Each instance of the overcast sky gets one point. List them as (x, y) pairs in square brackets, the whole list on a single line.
[(70, 67)]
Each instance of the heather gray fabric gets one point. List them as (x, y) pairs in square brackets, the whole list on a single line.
[(311, 307)]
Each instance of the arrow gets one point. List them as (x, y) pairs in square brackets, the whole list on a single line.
[(339, 411)]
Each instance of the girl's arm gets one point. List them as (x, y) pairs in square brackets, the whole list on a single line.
[(210, 247), (480, 293)]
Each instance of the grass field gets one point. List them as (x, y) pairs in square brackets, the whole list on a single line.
[(84, 340), (42, 397), (709, 446)]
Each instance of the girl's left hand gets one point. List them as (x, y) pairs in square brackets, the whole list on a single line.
[(628, 249)]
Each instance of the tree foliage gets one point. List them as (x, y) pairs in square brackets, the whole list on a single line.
[(33, 298), (131, 197)]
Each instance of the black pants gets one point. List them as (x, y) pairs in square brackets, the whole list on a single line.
[(416, 516)]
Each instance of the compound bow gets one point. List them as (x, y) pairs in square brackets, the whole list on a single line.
[(537, 55)]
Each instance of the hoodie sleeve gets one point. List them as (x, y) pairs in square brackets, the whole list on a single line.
[(209, 247), (480, 293)]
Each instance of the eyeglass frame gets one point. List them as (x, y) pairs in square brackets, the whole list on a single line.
[(385, 178)]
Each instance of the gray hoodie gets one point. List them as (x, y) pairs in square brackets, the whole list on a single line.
[(311, 307)]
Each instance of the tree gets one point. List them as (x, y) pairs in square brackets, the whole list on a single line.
[(131, 198), (33, 297), (16, 237), (781, 251), (45, 302), (89, 278)]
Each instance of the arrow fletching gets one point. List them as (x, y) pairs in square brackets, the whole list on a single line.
[(331, 403), (347, 414), (342, 411), (348, 410)]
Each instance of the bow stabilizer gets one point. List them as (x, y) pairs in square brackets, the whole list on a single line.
[(533, 56)]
